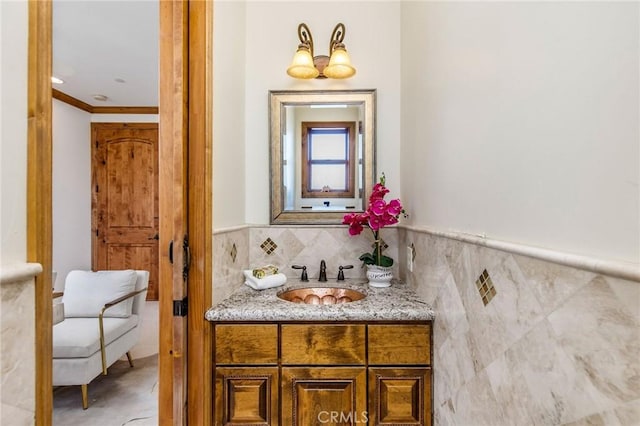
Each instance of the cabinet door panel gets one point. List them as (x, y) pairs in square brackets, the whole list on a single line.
[(399, 344), (400, 396), (323, 344), (246, 396), (315, 396)]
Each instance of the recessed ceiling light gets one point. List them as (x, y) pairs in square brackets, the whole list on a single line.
[(56, 80), (100, 98), (119, 80)]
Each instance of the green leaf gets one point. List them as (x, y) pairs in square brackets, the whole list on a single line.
[(370, 259), (386, 261)]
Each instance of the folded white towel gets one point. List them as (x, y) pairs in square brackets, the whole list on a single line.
[(269, 281)]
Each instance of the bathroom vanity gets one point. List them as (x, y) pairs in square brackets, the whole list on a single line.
[(283, 363)]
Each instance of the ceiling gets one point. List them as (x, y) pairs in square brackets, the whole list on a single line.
[(97, 43)]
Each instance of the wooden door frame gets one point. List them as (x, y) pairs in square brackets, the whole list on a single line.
[(39, 201), (39, 197), (200, 374)]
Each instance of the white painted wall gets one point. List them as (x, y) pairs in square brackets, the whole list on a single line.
[(229, 114), (13, 128), (372, 40), (71, 190), (521, 121)]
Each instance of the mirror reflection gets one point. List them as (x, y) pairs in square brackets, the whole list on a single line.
[(322, 154)]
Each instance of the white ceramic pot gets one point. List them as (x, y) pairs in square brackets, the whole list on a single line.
[(379, 276)]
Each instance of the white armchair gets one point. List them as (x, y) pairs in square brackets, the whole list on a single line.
[(102, 317)]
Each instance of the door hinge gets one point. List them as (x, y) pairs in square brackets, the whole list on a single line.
[(180, 307)]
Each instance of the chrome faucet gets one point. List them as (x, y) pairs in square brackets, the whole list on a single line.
[(323, 271)]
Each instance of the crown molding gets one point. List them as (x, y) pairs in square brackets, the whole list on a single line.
[(70, 100)]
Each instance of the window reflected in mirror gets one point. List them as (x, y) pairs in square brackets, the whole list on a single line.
[(328, 160)]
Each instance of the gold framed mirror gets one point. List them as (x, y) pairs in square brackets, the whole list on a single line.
[(322, 154)]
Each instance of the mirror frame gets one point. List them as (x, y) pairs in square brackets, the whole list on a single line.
[(278, 100)]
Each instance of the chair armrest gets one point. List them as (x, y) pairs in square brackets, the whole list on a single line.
[(100, 322), (121, 299)]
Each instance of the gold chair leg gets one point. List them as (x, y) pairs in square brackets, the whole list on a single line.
[(85, 399), (129, 358)]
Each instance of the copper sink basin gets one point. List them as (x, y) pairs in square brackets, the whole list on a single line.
[(321, 295)]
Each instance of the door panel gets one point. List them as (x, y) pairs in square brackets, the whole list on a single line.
[(246, 396), (125, 198), (400, 396), (331, 395)]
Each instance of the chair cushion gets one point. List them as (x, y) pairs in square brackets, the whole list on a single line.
[(86, 292), (80, 337)]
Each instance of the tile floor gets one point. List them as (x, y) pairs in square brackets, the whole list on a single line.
[(126, 396)]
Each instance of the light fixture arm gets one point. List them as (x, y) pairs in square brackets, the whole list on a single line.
[(304, 34), (337, 36)]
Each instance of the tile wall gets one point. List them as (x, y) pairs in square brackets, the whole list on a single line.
[(17, 340), (552, 345), (230, 257), (287, 246)]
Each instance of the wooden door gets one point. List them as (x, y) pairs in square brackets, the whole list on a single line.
[(125, 198)]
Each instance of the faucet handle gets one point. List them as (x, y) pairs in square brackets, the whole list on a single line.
[(340, 273), (304, 276)]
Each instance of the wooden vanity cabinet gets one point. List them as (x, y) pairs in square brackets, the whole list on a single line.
[(399, 360), (247, 376), (302, 374)]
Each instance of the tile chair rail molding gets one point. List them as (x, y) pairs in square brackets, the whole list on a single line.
[(102, 318)]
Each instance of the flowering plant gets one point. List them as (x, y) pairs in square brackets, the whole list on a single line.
[(378, 214)]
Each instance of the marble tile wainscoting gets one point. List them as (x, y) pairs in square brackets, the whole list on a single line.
[(238, 248), (551, 345), (230, 257), (17, 340), (299, 245)]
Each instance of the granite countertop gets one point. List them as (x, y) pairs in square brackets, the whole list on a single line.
[(396, 303)]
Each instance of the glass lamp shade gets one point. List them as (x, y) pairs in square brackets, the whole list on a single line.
[(339, 64), (302, 65)]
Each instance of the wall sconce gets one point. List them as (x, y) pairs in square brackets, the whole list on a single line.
[(305, 65)]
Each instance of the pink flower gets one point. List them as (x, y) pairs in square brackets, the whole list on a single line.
[(388, 220), (375, 222), (355, 229), (379, 214), (394, 207), (355, 222), (378, 192), (348, 219), (378, 207)]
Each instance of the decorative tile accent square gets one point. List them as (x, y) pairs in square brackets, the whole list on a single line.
[(485, 287), (269, 246), (234, 252)]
